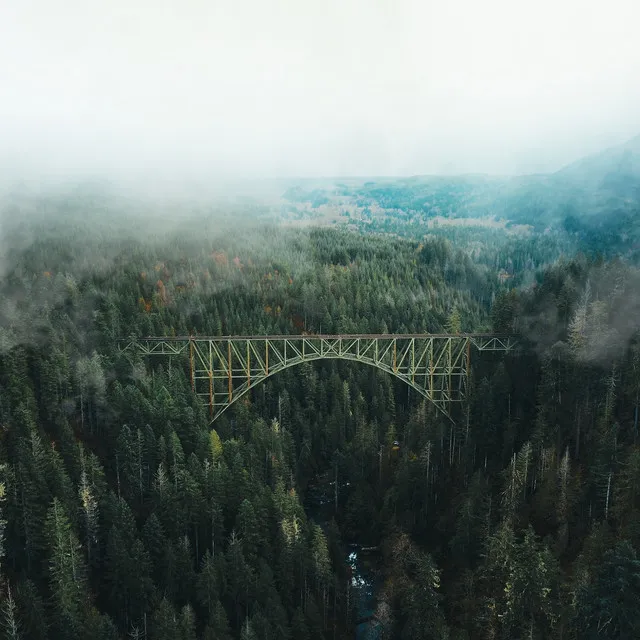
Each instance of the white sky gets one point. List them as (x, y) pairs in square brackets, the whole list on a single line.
[(330, 87)]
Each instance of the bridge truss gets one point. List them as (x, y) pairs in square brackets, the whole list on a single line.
[(224, 368)]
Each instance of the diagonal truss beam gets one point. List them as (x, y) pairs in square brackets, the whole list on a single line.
[(224, 368)]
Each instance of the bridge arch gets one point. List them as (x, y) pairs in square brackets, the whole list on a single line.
[(238, 392)]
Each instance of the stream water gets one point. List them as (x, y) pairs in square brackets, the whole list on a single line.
[(364, 565)]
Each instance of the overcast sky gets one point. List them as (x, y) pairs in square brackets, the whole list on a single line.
[(325, 87)]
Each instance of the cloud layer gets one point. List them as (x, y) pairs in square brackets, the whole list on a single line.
[(282, 88)]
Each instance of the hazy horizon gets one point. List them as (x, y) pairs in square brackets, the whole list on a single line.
[(240, 90)]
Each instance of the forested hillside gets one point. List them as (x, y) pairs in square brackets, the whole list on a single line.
[(591, 205), (125, 514)]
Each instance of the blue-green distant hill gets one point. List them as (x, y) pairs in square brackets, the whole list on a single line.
[(596, 199)]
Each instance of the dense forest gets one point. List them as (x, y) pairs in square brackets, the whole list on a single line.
[(126, 514)]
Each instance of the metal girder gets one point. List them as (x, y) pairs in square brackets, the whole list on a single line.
[(224, 368), (493, 343)]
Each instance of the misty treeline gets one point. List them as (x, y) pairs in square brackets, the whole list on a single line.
[(517, 224), (126, 515)]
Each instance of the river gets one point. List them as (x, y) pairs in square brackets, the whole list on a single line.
[(364, 565)]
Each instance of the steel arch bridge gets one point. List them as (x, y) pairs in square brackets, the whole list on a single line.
[(224, 368)]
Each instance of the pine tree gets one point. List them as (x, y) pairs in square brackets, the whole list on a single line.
[(163, 624), (218, 627), (248, 531), (516, 479), (247, 632), (207, 584), (216, 446), (89, 506), (578, 325), (454, 324), (530, 591), (3, 522), (418, 591), (32, 615), (67, 572), (609, 607), (187, 624), (626, 495), (9, 614)]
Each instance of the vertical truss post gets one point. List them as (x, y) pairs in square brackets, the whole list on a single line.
[(210, 379), (449, 364), (431, 368), (395, 361), (468, 364), (266, 357), (413, 360), (248, 366), (193, 381), (229, 369)]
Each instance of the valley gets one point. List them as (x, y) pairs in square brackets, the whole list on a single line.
[(128, 513)]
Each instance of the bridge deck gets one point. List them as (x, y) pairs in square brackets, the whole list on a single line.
[(320, 336)]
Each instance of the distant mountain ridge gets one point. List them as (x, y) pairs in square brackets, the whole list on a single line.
[(627, 153), (591, 190)]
